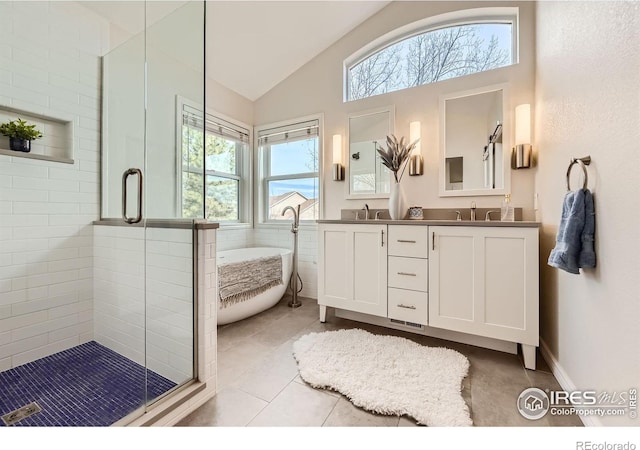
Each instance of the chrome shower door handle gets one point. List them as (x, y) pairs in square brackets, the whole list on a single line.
[(125, 175)]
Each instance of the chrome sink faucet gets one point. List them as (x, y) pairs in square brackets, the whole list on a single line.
[(487, 216), (366, 211), (473, 211)]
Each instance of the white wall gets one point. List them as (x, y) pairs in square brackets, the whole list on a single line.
[(207, 339), (317, 87), (587, 103), (49, 65), (173, 69), (146, 312), (231, 238)]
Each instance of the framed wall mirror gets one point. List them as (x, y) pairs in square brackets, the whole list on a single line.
[(368, 178), (474, 143)]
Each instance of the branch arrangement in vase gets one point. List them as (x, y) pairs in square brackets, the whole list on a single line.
[(396, 156)]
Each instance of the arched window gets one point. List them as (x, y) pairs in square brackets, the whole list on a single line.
[(434, 49)]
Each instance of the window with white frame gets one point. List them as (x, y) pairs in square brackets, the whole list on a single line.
[(289, 157), (433, 50), (214, 171)]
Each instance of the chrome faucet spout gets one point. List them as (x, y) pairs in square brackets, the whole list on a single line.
[(296, 217), (366, 211), (487, 216)]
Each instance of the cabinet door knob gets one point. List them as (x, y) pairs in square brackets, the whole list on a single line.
[(381, 238), (407, 274), (406, 307)]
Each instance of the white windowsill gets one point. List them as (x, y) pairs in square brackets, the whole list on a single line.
[(235, 226), (287, 224)]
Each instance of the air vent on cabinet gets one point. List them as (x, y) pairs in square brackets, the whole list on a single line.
[(407, 324)]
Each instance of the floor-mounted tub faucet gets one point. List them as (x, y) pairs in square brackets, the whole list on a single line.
[(294, 303)]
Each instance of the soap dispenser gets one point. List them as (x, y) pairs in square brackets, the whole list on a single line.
[(506, 211)]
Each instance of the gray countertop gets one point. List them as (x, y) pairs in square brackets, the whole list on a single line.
[(457, 223)]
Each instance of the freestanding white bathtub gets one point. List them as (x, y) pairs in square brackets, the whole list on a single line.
[(260, 302)]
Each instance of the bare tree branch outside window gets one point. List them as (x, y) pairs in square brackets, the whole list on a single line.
[(429, 57), (377, 74)]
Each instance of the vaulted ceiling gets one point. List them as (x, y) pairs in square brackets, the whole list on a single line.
[(251, 45)]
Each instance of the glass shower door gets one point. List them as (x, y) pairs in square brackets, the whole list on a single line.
[(175, 71), (144, 296), (119, 248)]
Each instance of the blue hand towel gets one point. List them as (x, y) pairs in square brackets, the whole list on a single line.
[(574, 241), (587, 257)]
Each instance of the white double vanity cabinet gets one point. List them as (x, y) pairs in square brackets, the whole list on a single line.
[(471, 282)]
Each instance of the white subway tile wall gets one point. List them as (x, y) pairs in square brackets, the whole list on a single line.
[(118, 290), (207, 327), (230, 239), (207, 302), (123, 309), (50, 65), (170, 304)]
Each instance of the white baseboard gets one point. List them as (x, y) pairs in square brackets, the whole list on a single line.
[(565, 381)]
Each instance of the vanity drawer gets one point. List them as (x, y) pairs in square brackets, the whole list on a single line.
[(408, 240), (407, 273), (410, 306)]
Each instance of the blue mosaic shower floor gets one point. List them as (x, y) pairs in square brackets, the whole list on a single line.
[(87, 385)]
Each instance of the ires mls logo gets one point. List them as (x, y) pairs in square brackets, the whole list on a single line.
[(575, 398), (533, 403)]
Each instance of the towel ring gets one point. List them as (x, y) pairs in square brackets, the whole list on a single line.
[(583, 163)]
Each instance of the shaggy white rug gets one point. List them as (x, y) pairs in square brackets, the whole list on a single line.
[(387, 374)]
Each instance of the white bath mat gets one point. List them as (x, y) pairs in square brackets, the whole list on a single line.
[(387, 374)]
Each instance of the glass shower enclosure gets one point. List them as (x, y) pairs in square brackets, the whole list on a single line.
[(143, 251)]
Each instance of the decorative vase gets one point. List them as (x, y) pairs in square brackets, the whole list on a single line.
[(20, 145), (396, 209)]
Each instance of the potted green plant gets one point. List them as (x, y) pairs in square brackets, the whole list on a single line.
[(20, 134)]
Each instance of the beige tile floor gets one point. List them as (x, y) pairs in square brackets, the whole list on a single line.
[(259, 385)]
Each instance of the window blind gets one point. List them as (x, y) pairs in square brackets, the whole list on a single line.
[(192, 117), (293, 132)]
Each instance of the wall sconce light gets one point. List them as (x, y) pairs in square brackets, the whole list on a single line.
[(416, 164), (521, 154), (338, 168)]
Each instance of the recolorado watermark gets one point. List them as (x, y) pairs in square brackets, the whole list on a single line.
[(534, 403), (589, 445)]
